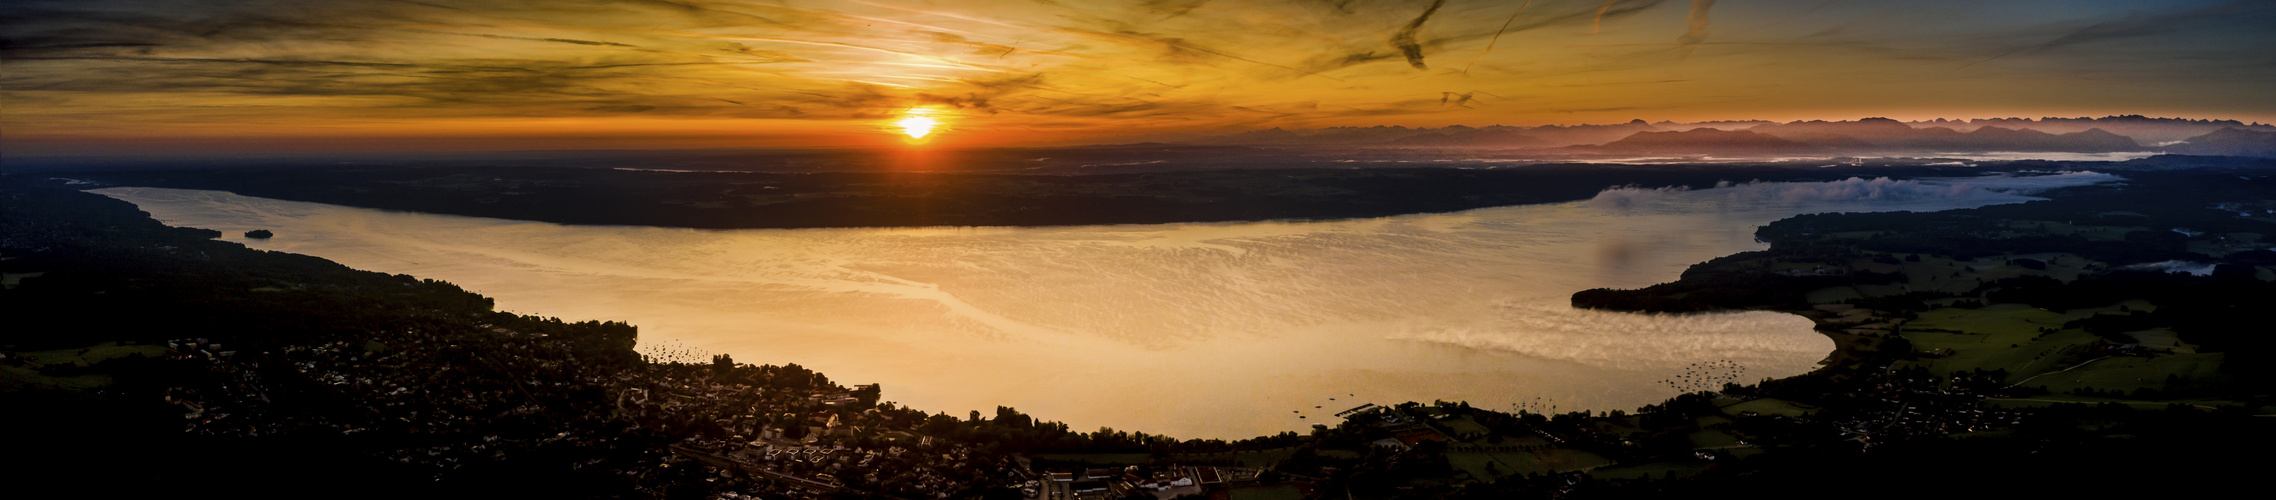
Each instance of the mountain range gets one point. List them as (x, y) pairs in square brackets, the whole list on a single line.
[(2130, 133)]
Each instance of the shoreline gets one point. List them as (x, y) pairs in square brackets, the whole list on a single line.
[(1529, 384), (705, 200)]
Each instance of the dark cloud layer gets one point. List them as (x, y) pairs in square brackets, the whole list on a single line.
[(81, 65)]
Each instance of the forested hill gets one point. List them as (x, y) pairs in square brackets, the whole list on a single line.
[(2175, 263), (1977, 346), (725, 200)]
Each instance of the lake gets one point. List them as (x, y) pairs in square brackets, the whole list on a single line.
[(1218, 330)]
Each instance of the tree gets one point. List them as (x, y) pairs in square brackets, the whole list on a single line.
[(868, 394), (722, 364)]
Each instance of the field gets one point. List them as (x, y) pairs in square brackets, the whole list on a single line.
[(2008, 337), (1259, 459), (1463, 427), (1488, 465), (1097, 458), (2129, 373), (1653, 470), (32, 375), (1188, 184), (1276, 492), (1771, 406)]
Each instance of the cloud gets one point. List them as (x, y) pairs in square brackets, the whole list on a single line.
[(1497, 36), (1627, 197), (1405, 39), (554, 40), (1851, 189), (1695, 23), (1172, 8), (2137, 25), (91, 65)]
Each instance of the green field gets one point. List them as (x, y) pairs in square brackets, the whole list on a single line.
[(1833, 295), (2008, 337), (1259, 459), (1771, 406), (1506, 463), (2053, 399), (1713, 439), (1275, 492), (29, 376), (1463, 426), (1098, 458), (1653, 470), (1998, 337), (2129, 373)]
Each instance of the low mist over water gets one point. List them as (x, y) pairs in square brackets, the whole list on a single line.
[(1193, 330)]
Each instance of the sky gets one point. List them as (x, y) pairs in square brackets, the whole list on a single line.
[(98, 77)]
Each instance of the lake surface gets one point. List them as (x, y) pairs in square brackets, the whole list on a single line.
[(1221, 330)]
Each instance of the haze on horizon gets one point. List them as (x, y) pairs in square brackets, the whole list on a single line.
[(160, 76)]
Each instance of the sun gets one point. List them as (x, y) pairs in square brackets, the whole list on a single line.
[(917, 124)]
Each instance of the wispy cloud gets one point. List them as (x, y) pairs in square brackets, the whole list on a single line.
[(84, 65)]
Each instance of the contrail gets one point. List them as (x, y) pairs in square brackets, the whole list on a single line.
[(1599, 25), (1405, 40), (1696, 23), (1497, 37)]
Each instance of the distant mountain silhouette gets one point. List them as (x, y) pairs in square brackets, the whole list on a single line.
[(2091, 140), (1489, 137), (1704, 141), (1886, 135), (1858, 137), (1866, 129), (1559, 135), (1458, 136), (2142, 129), (1718, 124), (2229, 142)]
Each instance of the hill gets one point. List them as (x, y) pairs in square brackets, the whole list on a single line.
[(1703, 141), (2229, 142)]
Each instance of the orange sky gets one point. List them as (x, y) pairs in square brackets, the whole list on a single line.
[(151, 76)]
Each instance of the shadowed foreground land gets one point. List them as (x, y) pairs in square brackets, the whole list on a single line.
[(721, 200), (1997, 363)]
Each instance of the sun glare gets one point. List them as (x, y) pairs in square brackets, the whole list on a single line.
[(917, 124)]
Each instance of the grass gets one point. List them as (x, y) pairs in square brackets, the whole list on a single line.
[(2008, 337), (1996, 337), (1098, 458), (2052, 399), (1507, 463), (1275, 492), (2130, 373), (1713, 439), (1937, 274), (10, 280), (1652, 470), (1258, 459), (1463, 426), (1833, 295), (1771, 406), (2162, 338), (1475, 464), (29, 374)]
